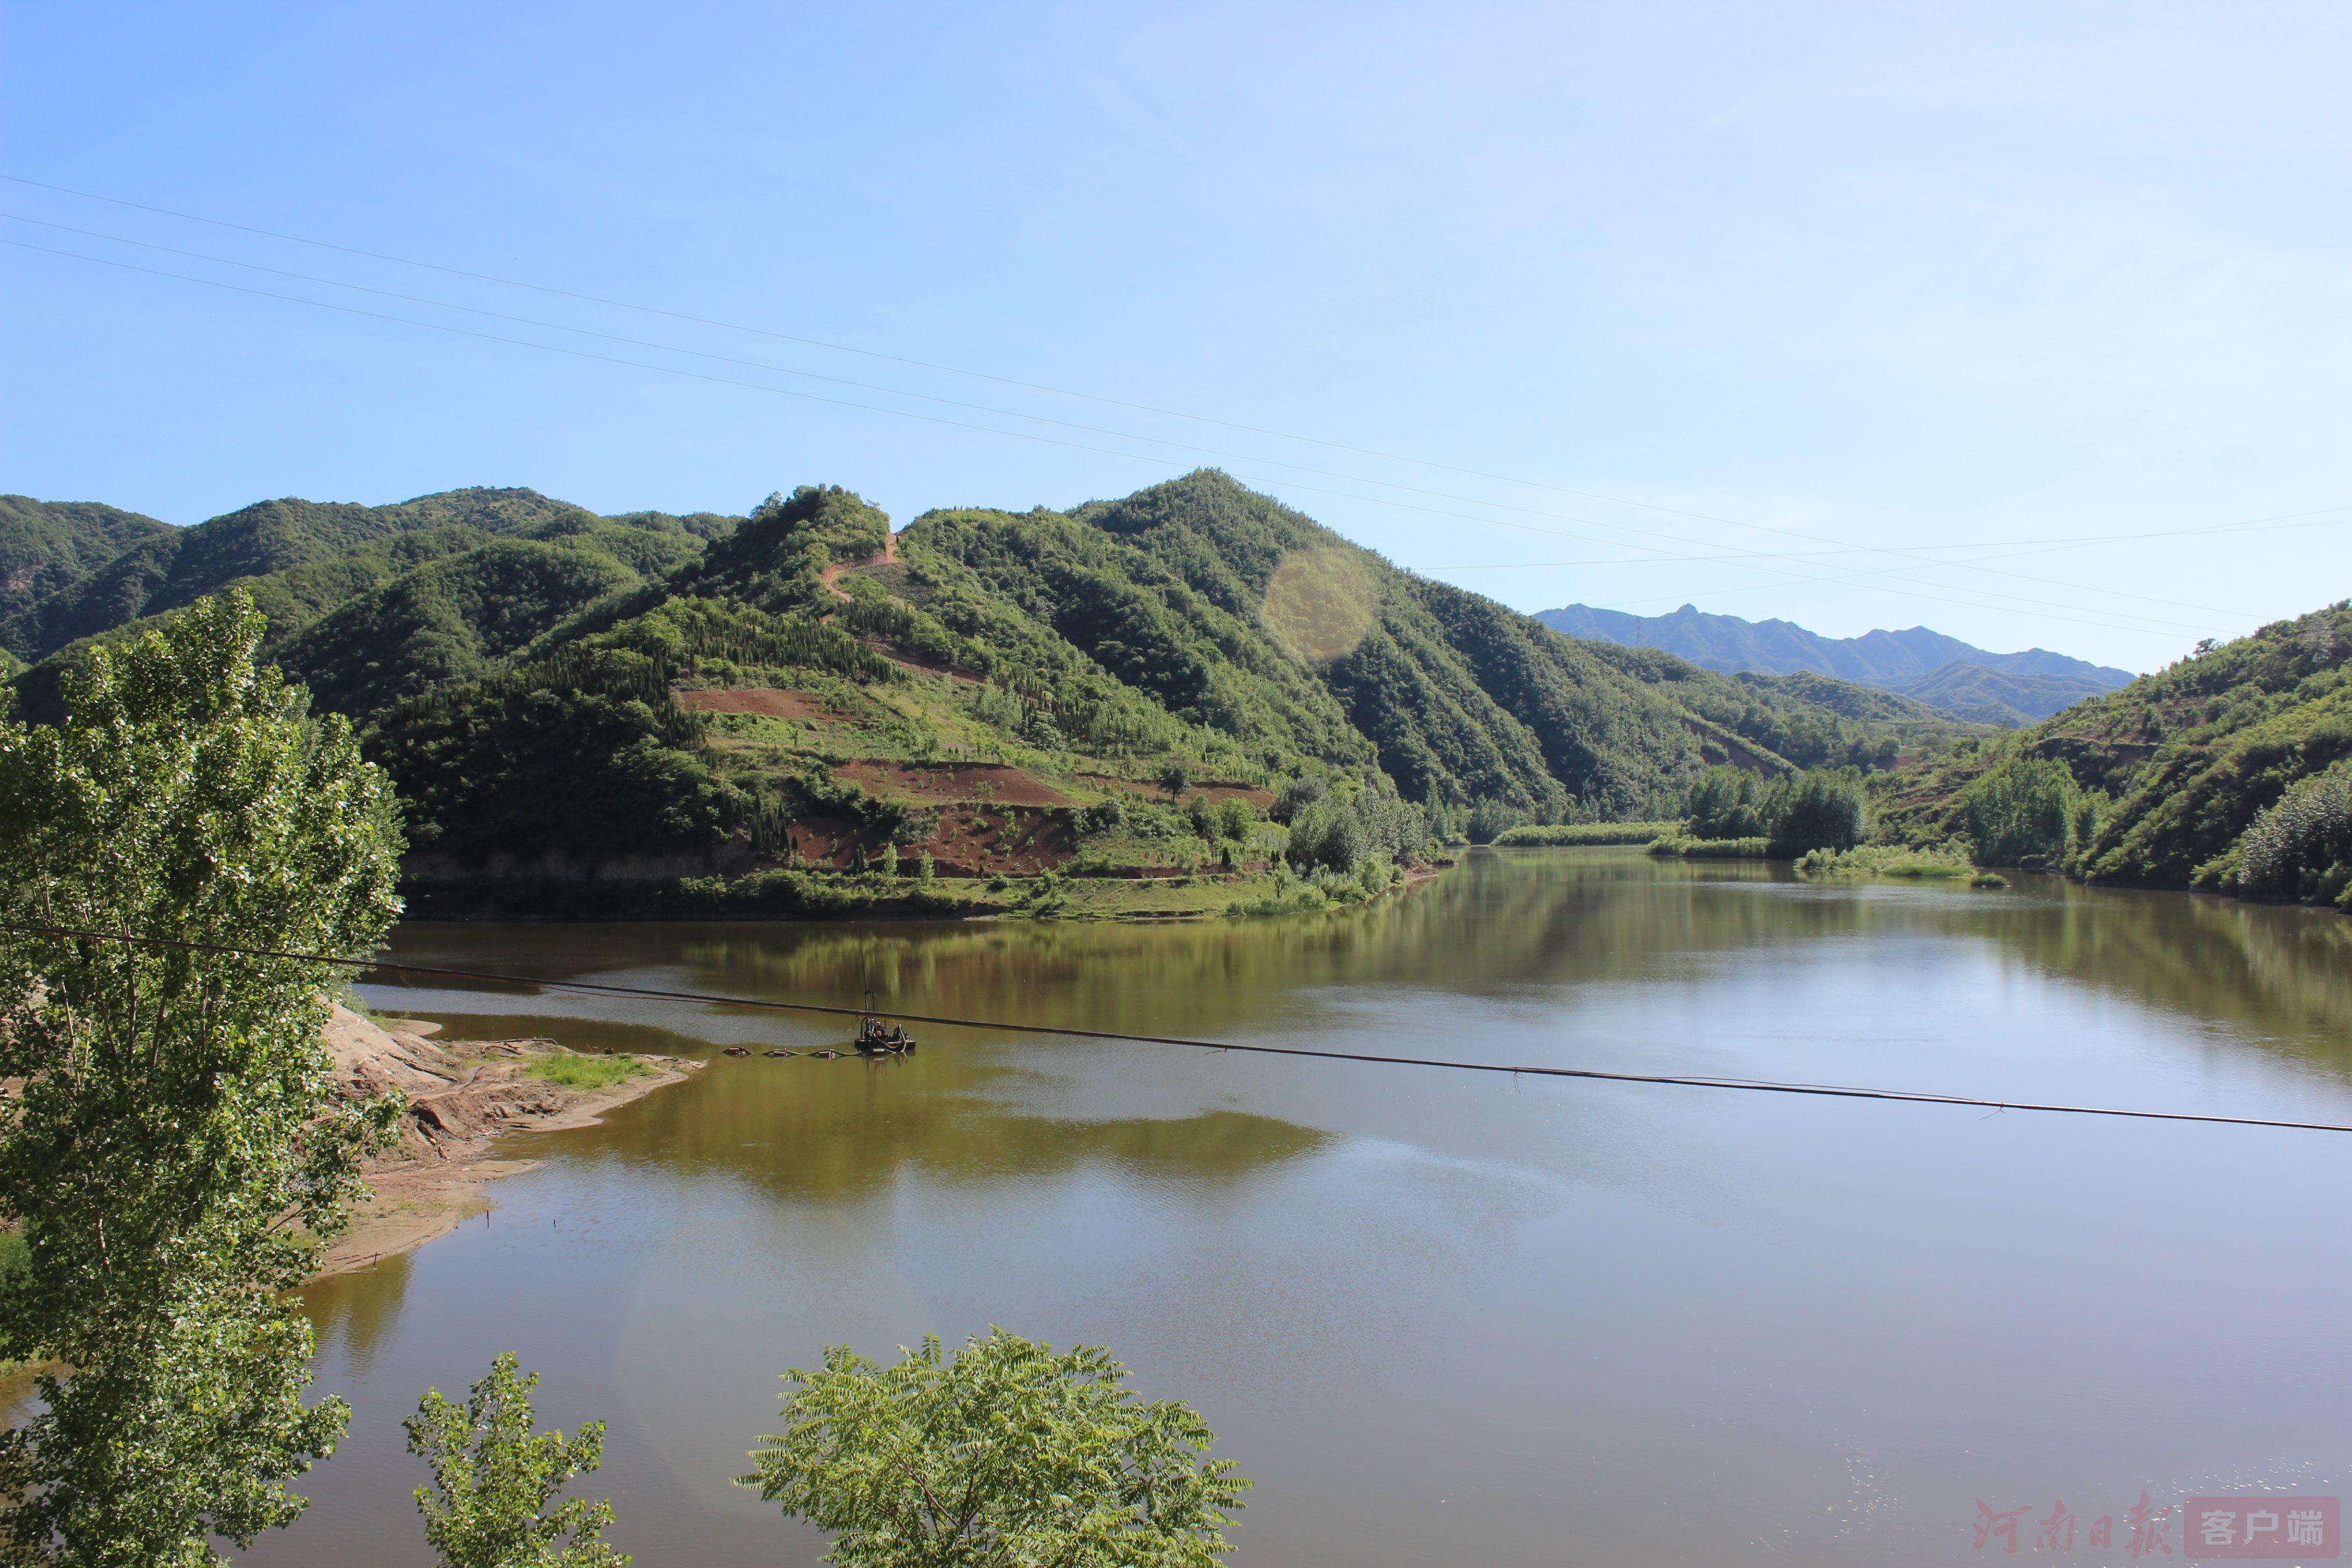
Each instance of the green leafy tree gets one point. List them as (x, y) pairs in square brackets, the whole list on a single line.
[(1726, 803), (1821, 808), (2301, 847), (1005, 1454), (1176, 777), (493, 1478), (2025, 808), (177, 1152)]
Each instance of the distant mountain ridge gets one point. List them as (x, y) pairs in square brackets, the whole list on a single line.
[(2013, 689)]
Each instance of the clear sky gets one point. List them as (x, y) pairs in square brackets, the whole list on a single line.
[(1688, 289)]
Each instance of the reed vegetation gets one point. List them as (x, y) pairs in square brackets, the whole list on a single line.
[(1931, 862), (1554, 836), (1683, 846)]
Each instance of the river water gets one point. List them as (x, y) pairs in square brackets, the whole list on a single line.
[(1447, 1317)]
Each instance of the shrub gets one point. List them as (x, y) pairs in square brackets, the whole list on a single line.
[(1307, 789), (2301, 847), (1043, 1457), (1338, 836), (1106, 815), (1490, 820)]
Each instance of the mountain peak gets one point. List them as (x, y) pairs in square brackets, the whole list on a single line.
[(1941, 670)]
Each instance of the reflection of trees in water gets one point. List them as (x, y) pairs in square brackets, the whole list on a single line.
[(1494, 921), (356, 1313), (815, 1128), (2283, 974), (1549, 917)]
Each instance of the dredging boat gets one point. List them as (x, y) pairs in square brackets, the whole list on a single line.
[(877, 1037)]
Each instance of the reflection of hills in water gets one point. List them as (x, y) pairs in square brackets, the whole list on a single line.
[(838, 1129), (1555, 917), (809, 1128), (1497, 922)]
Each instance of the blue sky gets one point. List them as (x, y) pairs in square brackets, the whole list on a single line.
[(1778, 309)]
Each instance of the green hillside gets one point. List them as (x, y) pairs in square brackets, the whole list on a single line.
[(2172, 781), (313, 555), (657, 714), (1010, 694), (429, 590), (48, 547)]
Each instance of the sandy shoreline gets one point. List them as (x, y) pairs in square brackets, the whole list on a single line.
[(464, 1097)]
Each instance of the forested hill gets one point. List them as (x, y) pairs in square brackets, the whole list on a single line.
[(445, 584), (2231, 769), (47, 547), (552, 688), (1941, 671)]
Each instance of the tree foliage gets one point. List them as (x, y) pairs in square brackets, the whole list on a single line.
[(2026, 808), (1820, 808), (1003, 1455), (176, 1150), (1727, 802), (2301, 847), (494, 1475)]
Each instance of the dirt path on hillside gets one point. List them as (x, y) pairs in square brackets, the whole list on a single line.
[(831, 576)]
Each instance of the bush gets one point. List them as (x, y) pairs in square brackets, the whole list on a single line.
[(2301, 847), (1490, 820), (1338, 836), (1307, 789)]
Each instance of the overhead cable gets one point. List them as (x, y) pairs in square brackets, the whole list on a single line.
[(2113, 619), (715, 999), (1900, 551)]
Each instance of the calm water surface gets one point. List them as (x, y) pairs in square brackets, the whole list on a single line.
[(1447, 1319)]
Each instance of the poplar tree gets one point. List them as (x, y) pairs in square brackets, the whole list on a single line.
[(1005, 1454), (177, 1152), (494, 1474)]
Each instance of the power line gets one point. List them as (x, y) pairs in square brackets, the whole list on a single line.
[(2017, 547), (1899, 552), (708, 998), (1750, 558), (2114, 620)]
